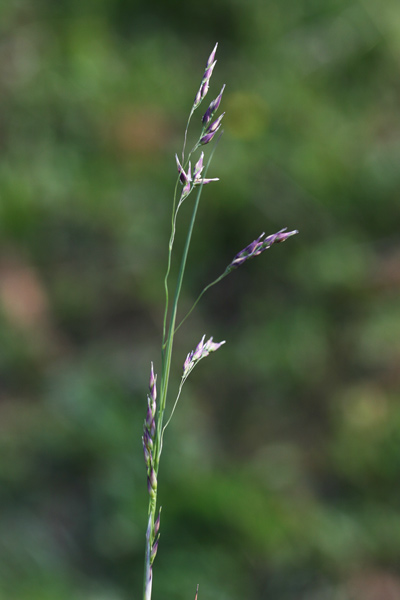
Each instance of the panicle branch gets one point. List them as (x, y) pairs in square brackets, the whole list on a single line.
[(258, 246), (202, 350)]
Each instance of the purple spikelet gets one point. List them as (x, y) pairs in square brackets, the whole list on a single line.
[(211, 130), (212, 109), (258, 246), (202, 350)]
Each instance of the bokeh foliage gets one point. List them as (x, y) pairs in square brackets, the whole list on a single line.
[(280, 477)]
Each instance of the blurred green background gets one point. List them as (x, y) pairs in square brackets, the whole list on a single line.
[(280, 477)]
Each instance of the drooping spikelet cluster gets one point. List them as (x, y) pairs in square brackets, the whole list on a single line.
[(202, 350), (258, 246)]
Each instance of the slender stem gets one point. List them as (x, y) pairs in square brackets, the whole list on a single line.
[(165, 372), (224, 274), (173, 409), (167, 354), (170, 246), (168, 344), (175, 210), (186, 131)]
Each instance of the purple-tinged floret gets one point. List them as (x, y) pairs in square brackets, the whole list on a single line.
[(152, 479), (215, 125), (198, 167), (152, 383), (214, 105), (212, 56), (157, 523), (209, 71), (183, 176), (197, 180), (206, 139), (154, 549), (211, 130)]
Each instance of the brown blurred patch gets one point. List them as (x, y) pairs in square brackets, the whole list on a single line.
[(386, 273), (23, 299), (247, 115), (144, 130), (374, 585)]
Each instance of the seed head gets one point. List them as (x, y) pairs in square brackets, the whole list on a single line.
[(259, 245), (202, 350)]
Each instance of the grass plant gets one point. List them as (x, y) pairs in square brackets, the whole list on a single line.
[(189, 183)]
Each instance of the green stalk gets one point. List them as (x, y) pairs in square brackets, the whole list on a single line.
[(166, 355), (167, 352), (165, 372), (210, 285), (175, 210), (167, 347)]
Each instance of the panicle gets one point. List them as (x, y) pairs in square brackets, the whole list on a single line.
[(202, 350), (259, 245)]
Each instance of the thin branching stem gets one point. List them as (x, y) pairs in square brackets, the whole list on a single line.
[(210, 285)]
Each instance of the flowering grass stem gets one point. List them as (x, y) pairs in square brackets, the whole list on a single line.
[(154, 426)]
